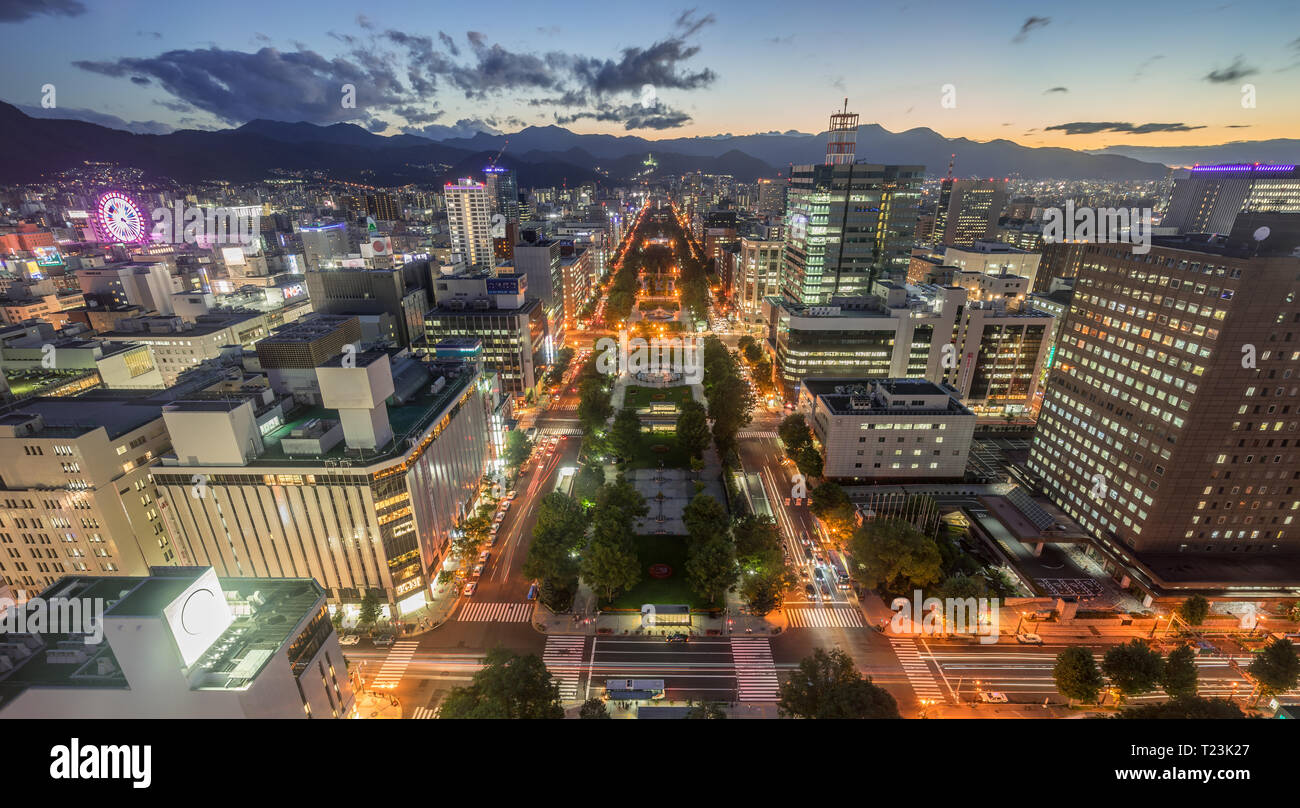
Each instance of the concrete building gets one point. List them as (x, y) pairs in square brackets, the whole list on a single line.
[(77, 497), (291, 354), (325, 245), (181, 643), (579, 284), (540, 261), (993, 258), (360, 493), (1237, 200), (469, 222), (178, 346), (388, 303), (757, 275), (149, 286), (888, 429), (1168, 427)]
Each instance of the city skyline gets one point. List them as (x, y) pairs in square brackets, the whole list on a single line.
[(1012, 73)]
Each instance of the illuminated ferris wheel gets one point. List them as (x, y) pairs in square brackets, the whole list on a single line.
[(118, 219)]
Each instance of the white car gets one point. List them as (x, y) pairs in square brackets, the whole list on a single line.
[(1027, 638), (993, 698), (349, 639), (469, 588)]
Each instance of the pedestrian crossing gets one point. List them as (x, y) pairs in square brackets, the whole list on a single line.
[(425, 712), (571, 431), (755, 434), (564, 405), (395, 664), (755, 671), (915, 668), (834, 617), (563, 657), (496, 613)]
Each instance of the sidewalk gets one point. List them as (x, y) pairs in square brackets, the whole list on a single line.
[(585, 619)]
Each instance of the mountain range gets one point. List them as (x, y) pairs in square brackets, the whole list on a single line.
[(31, 147)]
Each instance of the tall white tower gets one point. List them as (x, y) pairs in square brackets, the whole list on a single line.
[(469, 219)]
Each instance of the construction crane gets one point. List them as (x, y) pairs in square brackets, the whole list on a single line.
[(493, 162)]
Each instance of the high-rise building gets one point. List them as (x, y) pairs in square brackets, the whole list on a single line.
[(383, 207), (848, 225), (469, 221), (1237, 200), (1168, 429), (360, 493), (389, 302), (968, 211), (757, 275), (503, 189)]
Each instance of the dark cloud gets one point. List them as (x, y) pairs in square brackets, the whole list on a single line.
[(465, 127), (236, 86), (101, 118), (1233, 72), (1030, 25), (449, 43), (632, 116), (657, 65), (364, 22), (19, 10), (1093, 127), (1056, 90), (688, 24)]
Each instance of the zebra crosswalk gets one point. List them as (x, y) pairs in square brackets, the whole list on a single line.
[(395, 664), (834, 617), (571, 431), (915, 668), (425, 712), (563, 657), (496, 613), (564, 405), (755, 671), (755, 434)]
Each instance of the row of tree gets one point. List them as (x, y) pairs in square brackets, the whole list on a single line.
[(731, 403), (797, 439)]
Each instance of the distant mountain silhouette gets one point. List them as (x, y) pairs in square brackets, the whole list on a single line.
[(1280, 150), (542, 155)]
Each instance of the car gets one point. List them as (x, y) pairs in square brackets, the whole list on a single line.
[(825, 588), (470, 587), (678, 637), (499, 517), (510, 496), (484, 556), (532, 591), (803, 572), (817, 573), (821, 559), (383, 641), (809, 591), (349, 639), (495, 527), (477, 571), (1028, 638), (993, 697)]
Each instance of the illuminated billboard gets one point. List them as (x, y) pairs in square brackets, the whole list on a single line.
[(198, 617)]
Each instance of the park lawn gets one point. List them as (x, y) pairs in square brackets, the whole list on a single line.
[(661, 549), (650, 304), (638, 397), (647, 458)]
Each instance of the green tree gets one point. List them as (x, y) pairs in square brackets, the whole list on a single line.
[(706, 710), (752, 352), (705, 518), (609, 564), (1194, 610), (794, 432), (593, 708), (594, 408), (809, 461), (890, 553), (509, 686), (758, 540), (371, 605), (762, 590), (474, 533), (962, 586), (1276, 668), (829, 503), (518, 447), (1179, 677), (1076, 674), (828, 685), (1133, 668), (625, 435), (711, 567), (744, 342), (693, 428), (1184, 707), (557, 536), (591, 476)]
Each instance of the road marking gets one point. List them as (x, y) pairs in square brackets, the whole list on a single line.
[(390, 675), (560, 430), (834, 617), (753, 434), (915, 668), (564, 657), (425, 712), (496, 613), (755, 671)]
